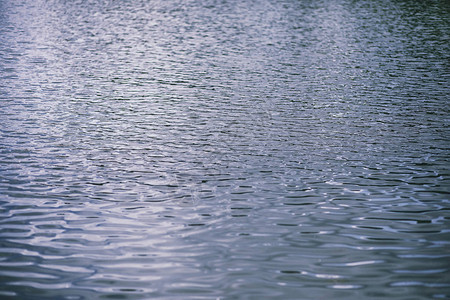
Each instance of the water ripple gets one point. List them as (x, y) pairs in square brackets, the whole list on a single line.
[(221, 150)]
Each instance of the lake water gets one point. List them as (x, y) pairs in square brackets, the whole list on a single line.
[(224, 149)]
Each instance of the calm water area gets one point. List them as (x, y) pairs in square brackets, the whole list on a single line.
[(224, 149)]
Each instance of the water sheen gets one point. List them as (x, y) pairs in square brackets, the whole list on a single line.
[(206, 149)]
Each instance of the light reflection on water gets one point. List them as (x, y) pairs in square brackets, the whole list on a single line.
[(223, 149)]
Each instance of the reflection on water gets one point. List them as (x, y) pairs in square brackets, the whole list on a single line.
[(224, 149)]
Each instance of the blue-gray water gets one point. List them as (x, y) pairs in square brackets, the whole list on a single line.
[(206, 149)]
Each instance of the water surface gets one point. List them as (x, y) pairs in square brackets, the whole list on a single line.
[(224, 149)]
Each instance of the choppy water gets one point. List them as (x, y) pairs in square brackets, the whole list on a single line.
[(203, 149)]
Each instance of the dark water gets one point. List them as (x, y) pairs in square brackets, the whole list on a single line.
[(270, 149)]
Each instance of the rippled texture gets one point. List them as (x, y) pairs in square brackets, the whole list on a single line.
[(227, 149)]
